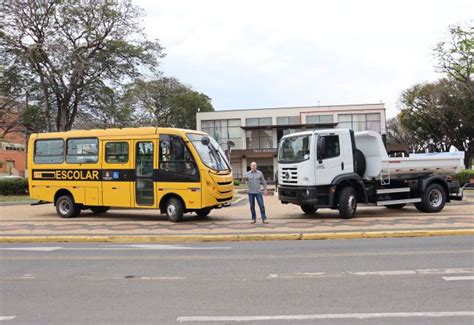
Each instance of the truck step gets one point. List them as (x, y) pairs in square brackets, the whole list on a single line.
[(393, 190), (390, 202)]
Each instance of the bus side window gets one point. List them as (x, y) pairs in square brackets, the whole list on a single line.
[(175, 156), (116, 152), (49, 151)]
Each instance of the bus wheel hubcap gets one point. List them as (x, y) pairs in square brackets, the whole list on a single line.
[(64, 207), (171, 210)]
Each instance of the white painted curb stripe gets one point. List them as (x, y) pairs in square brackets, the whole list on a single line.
[(323, 316), (458, 278), (7, 318)]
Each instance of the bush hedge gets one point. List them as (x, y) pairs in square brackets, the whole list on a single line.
[(13, 186), (465, 176), (236, 182)]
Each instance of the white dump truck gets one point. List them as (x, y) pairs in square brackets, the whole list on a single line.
[(338, 169)]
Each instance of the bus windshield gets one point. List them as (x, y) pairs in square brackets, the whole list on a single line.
[(294, 149), (212, 154)]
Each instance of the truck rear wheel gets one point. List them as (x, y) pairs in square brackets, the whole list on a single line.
[(66, 207), (174, 209), (347, 203), (433, 199), (308, 209)]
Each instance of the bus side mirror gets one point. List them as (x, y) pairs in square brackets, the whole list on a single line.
[(321, 148), (205, 140)]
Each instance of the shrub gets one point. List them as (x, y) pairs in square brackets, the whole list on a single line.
[(13, 186), (236, 182), (465, 176)]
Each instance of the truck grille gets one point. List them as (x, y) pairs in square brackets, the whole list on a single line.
[(288, 175)]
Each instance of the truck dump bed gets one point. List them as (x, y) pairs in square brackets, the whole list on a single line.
[(379, 165)]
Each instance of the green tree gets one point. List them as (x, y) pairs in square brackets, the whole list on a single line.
[(397, 134), (166, 102), (70, 49), (441, 114), (186, 104), (456, 56)]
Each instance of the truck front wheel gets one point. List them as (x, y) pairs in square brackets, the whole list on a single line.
[(347, 203), (433, 199)]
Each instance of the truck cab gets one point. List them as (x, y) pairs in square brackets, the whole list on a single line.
[(338, 169)]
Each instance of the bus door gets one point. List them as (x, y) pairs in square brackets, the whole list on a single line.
[(177, 171), (117, 174), (145, 163)]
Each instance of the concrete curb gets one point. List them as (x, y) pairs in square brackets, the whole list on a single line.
[(244, 237)]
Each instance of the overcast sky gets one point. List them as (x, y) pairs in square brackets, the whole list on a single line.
[(254, 54)]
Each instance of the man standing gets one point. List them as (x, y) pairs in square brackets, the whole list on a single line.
[(255, 178)]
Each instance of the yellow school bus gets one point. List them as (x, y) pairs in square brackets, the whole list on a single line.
[(173, 170)]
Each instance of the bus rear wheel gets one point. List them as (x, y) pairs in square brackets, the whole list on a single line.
[(174, 209), (66, 207), (202, 213), (99, 209)]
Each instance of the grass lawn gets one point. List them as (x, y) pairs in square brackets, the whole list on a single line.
[(14, 198)]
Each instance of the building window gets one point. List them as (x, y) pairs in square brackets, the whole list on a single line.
[(283, 132), (259, 139), (224, 131), (258, 121), (288, 120), (360, 122), (319, 119), (236, 169), (81, 151), (49, 152), (116, 152)]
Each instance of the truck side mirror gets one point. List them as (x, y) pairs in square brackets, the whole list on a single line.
[(321, 148)]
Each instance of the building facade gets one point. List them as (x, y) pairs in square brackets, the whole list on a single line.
[(256, 133)]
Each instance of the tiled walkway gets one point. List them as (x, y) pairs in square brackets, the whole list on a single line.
[(42, 220)]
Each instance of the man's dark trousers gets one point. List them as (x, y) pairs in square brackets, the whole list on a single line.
[(259, 197)]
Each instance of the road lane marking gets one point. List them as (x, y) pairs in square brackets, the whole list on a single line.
[(233, 257), (302, 275), (7, 318), (173, 247), (165, 278), (39, 249), (183, 319), (19, 277), (117, 247), (458, 278)]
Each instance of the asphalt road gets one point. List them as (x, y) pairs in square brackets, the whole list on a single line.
[(373, 281)]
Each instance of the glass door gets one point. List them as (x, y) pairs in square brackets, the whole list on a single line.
[(144, 167)]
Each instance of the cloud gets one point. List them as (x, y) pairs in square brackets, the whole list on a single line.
[(248, 54)]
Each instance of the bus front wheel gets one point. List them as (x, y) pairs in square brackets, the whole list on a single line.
[(174, 209), (66, 207)]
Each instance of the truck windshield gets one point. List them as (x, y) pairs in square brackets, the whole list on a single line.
[(294, 149), (212, 154)]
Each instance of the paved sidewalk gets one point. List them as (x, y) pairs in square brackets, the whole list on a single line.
[(42, 221)]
